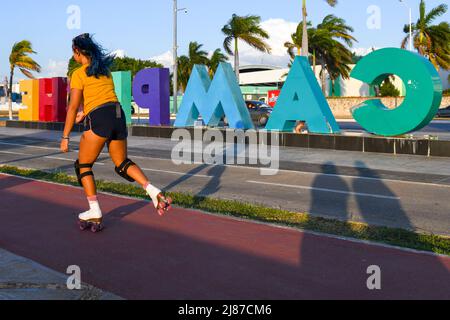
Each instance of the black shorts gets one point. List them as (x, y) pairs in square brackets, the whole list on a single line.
[(107, 121)]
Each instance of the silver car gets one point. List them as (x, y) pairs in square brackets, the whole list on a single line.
[(444, 113)]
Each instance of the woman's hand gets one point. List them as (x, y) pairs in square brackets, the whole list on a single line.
[(80, 117), (64, 145)]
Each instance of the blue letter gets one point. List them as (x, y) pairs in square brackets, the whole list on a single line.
[(302, 100), (213, 100)]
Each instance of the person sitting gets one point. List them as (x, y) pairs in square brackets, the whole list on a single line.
[(301, 128)]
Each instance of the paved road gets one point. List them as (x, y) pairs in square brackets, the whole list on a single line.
[(193, 255), (344, 185)]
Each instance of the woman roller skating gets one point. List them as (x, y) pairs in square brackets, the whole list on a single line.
[(105, 123)]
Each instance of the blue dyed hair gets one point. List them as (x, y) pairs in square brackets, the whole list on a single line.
[(100, 60)]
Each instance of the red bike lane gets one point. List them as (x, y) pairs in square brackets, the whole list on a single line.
[(192, 255)]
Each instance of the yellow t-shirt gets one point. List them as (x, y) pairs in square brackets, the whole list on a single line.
[(96, 92)]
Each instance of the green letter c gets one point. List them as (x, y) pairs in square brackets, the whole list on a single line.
[(423, 92)]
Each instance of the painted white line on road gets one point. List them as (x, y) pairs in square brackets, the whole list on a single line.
[(426, 184), (58, 158), (16, 153), (326, 190), (179, 173), (70, 160), (27, 146)]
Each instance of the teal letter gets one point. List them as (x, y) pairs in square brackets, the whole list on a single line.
[(122, 85), (302, 100), (423, 92), (213, 100)]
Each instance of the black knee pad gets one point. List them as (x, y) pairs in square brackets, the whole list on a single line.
[(81, 176), (123, 169)]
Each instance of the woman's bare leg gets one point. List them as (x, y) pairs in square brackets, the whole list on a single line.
[(118, 150), (91, 146)]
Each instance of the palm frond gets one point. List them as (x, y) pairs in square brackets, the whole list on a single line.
[(435, 13), (256, 43), (227, 45), (27, 73)]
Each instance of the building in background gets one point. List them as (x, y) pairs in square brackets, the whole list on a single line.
[(260, 79), (16, 97)]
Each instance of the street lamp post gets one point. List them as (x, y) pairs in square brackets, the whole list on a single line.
[(175, 54), (410, 25)]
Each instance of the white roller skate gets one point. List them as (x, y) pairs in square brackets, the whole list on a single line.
[(92, 219), (161, 203)]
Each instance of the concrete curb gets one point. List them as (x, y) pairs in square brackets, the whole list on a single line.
[(24, 279)]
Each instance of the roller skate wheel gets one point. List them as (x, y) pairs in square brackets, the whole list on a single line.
[(95, 228), (83, 225)]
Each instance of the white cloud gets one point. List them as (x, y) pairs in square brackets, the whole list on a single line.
[(166, 59), (55, 69), (119, 53), (280, 32)]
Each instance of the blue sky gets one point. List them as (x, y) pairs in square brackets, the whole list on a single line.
[(143, 28)]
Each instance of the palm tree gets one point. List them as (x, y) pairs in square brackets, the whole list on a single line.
[(431, 41), (73, 65), (184, 71), (318, 39), (329, 43), (196, 55), (19, 58), (305, 45), (216, 58), (336, 62), (186, 63), (336, 55), (247, 29)]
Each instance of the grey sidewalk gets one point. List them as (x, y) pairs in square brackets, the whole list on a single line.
[(23, 279)]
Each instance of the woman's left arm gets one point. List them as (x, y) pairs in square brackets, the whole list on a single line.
[(76, 96)]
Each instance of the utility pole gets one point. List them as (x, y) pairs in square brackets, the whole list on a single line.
[(410, 25), (175, 54), (175, 57)]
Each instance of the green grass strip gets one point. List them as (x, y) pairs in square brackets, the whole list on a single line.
[(397, 237)]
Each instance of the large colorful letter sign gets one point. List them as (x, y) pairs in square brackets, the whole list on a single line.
[(122, 85), (302, 100), (52, 99), (30, 99), (423, 92), (151, 91), (214, 99)]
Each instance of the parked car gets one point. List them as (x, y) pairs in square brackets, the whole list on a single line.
[(259, 111), (444, 113)]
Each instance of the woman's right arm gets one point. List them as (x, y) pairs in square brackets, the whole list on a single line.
[(76, 96)]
